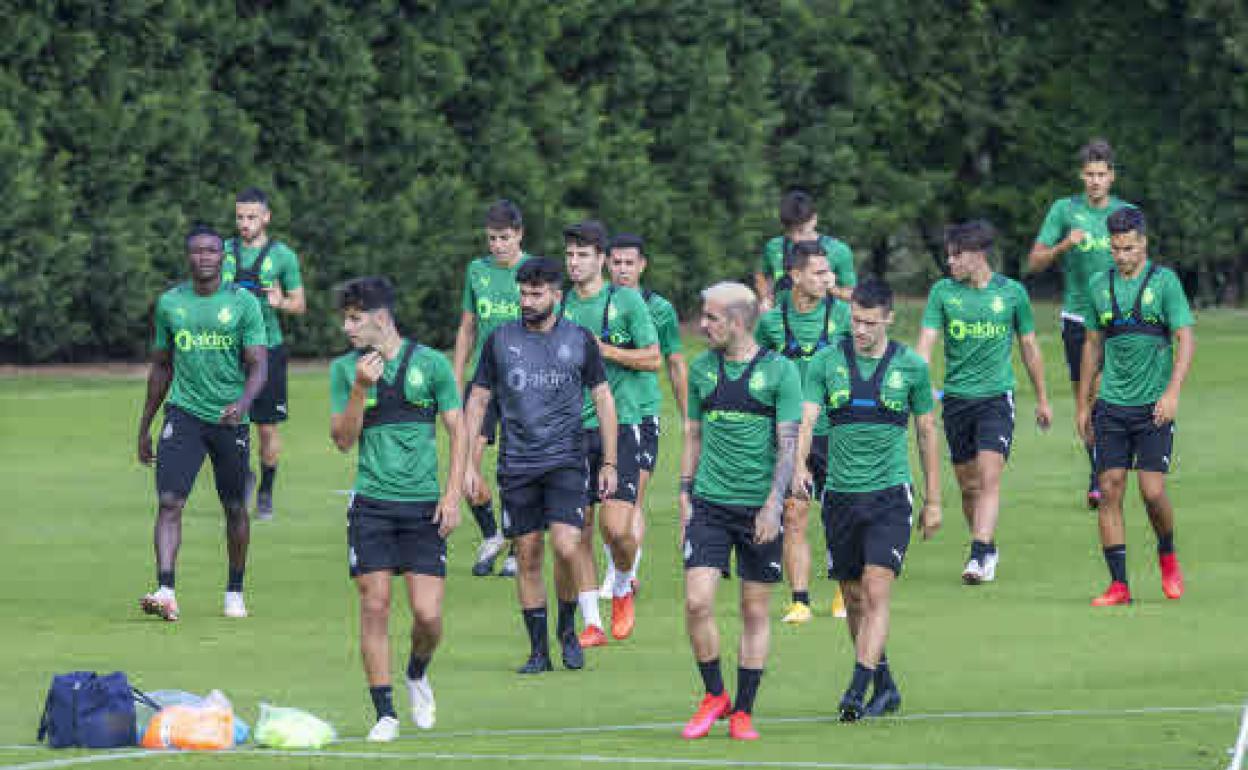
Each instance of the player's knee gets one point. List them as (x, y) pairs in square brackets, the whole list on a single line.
[(1154, 497), (427, 621), (699, 607), (796, 518), (375, 606), (171, 505)]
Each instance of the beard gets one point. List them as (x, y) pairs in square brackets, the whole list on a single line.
[(535, 317)]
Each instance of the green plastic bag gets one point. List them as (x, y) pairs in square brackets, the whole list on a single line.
[(291, 728)]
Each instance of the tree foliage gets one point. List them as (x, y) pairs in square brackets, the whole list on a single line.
[(383, 129)]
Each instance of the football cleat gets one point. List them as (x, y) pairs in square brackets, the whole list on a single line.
[(160, 603), (536, 664), (741, 727), (623, 616), (797, 613), (1171, 575), (1116, 594), (487, 553), (973, 572), (712, 708), (386, 730), (235, 607), (593, 636), (420, 695)]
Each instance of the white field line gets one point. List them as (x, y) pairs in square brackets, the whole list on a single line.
[(1241, 743), (89, 759)]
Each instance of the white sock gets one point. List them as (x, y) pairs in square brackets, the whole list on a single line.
[(637, 560), (609, 574), (623, 585), (589, 608), (164, 592)]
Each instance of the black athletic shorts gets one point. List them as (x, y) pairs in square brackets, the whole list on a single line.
[(533, 500), (974, 425), (270, 404), (627, 467), (1073, 335), (1127, 438), (715, 530), (817, 464), (185, 440), (394, 535), (648, 452), (867, 528), (489, 424)]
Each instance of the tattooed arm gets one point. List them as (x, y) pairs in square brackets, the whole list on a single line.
[(767, 526)]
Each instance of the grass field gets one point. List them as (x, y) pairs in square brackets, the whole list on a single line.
[(1021, 674)]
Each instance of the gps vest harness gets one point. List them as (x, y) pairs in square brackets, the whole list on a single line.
[(734, 395), (392, 406), (1134, 323), (792, 348), (605, 333), (864, 404), (249, 277)]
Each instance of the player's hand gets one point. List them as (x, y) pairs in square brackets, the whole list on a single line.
[(607, 481), (472, 483), (446, 516), (368, 369), (929, 520), (764, 304), (275, 296), (1075, 237), (802, 487), (233, 413), (1166, 409), (1083, 424), (767, 524), (1044, 415), (146, 455)]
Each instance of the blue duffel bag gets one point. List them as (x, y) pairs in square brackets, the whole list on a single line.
[(89, 710)]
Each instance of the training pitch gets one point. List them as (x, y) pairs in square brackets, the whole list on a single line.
[(1020, 674)]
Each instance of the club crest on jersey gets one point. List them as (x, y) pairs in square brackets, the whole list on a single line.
[(758, 381), (415, 378), (563, 353), (998, 305), (1148, 297), (225, 316), (895, 380)]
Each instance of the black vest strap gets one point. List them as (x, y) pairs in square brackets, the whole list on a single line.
[(604, 333), (392, 406), (734, 395), (793, 348), (249, 277), (1133, 323), (864, 404)]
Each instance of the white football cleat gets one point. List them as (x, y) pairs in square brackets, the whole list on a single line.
[(235, 607), (973, 572), (989, 567), (423, 708), (386, 730)]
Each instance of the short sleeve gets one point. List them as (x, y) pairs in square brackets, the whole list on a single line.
[(1174, 304), (289, 274), (1092, 320), (765, 332), (640, 325), (788, 393), (1024, 319), (487, 373), (842, 319), (1053, 229), (469, 301), (842, 259), (693, 400), (934, 314), (445, 390), (341, 373), (921, 401), (815, 388), (160, 335), (252, 321), (667, 325), (593, 370), (770, 265)]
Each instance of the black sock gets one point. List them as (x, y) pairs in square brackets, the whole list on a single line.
[(416, 666), (267, 472), (712, 677), (862, 679), (234, 580), (980, 549), (383, 700), (164, 578), (1165, 544), (1116, 560), (535, 622), (484, 514), (565, 622), (802, 596), (883, 677), (747, 688)]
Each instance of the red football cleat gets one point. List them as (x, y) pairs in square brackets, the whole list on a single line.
[(623, 616), (741, 728), (1171, 575), (593, 636), (711, 708), (1115, 595)]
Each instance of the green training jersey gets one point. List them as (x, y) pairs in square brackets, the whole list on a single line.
[(280, 268), (738, 457), (979, 327), (206, 336), (490, 294), (840, 259), (1090, 257), (667, 327), (807, 331), (862, 456), (399, 460), (1137, 367), (627, 325)]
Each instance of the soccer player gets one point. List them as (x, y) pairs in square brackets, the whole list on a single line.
[(628, 262), (1074, 235), (1140, 326), (800, 221), (209, 344), (620, 320), (745, 403), (537, 369), (803, 323), (270, 270), (491, 299), (978, 313), (869, 387), (384, 397)]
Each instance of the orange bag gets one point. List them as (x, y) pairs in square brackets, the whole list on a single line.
[(197, 728)]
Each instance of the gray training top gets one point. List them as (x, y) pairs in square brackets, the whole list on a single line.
[(538, 380)]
